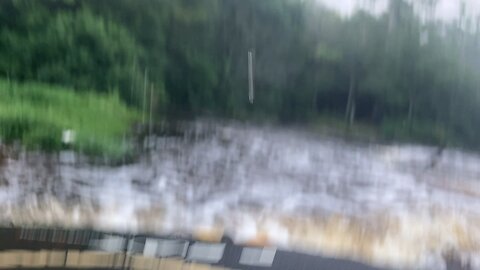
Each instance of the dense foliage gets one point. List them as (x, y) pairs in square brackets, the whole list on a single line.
[(407, 75)]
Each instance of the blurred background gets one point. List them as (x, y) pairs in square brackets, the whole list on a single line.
[(342, 128)]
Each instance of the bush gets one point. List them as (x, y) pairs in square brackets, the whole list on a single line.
[(75, 49)]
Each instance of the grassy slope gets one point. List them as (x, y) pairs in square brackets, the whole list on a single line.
[(37, 114)]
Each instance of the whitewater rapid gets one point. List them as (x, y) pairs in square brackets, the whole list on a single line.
[(387, 205)]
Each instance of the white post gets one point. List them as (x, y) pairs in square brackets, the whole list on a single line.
[(250, 77)]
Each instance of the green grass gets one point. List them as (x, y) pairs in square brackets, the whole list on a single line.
[(390, 130), (337, 127), (421, 132), (36, 115)]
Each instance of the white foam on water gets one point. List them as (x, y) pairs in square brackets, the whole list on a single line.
[(248, 181)]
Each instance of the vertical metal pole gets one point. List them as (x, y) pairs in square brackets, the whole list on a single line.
[(250, 77)]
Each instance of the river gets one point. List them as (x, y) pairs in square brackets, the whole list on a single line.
[(387, 205)]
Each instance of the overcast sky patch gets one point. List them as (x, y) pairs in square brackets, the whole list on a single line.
[(446, 9)]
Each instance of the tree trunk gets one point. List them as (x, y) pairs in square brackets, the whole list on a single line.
[(352, 114), (410, 112), (350, 110), (144, 105)]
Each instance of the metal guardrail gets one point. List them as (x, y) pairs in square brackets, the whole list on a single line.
[(25, 248)]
